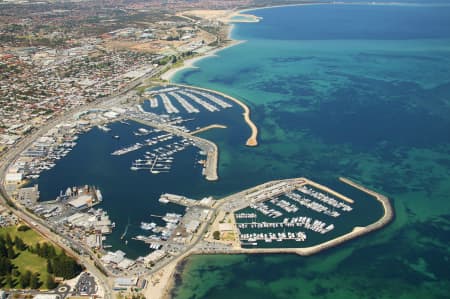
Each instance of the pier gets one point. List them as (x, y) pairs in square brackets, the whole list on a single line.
[(204, 104), (208, 147), (328, 190), (186, 105), (153, 102), (238, 201), (184, 201), (253, 139), (214, 126), (170, 108)]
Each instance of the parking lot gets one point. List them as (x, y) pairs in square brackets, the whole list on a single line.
[(85, 286)]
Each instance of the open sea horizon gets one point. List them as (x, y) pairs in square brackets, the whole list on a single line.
[(340, 90), (360, 91)]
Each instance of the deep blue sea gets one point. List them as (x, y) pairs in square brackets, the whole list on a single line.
[(356, 90), (361, 91)]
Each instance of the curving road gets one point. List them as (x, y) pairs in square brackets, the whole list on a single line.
[(38, 224)]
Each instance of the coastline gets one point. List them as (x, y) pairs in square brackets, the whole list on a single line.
[(190, 63), (253, 139), (245, 10), (168, 274)]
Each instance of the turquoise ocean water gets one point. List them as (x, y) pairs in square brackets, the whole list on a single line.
[(360, 91), (355, 90)]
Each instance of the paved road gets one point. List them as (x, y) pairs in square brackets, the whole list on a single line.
[(68, 244), (33, 221)]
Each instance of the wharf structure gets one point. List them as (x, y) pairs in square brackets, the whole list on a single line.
[(209, 148), (213, 103), (233, 203), (253, 139), (187, 202)]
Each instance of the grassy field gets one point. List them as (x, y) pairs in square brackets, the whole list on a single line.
[(26, 260), (30, 237), (32, 262)]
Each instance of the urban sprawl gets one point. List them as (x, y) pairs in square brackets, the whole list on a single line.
[(70, 67)]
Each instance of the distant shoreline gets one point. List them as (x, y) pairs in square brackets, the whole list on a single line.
[(165, 289), (190, 63), (252, 141)]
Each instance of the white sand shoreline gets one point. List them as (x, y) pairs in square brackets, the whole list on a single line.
[(190, 63)]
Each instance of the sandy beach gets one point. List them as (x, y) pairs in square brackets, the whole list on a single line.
[(159, 283), (225, 16), (190, 63)]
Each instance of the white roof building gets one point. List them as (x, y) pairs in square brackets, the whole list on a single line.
[(126, 281), (113, 257), (125, 263), (81, 201), (110, 114), (13, 178), (154, 256), (47, 296)]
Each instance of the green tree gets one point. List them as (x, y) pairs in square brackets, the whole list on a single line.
[(25, 280), (8, 281), (44, 250), (49, 267), (34, 281), (23, 228), (8, 240), (20, 245), (216, 235), (5, 266), (11, 253), (51, 251), (65, 266), (50, 283), (15, 272), (3, 250)]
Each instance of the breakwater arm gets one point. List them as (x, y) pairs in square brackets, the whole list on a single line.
[(253, 139), (210, 148)]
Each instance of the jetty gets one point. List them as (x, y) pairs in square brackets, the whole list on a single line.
[(209, 148), (213, 126), (186, 105), (253, 139), (186, 202), (260, 193)]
